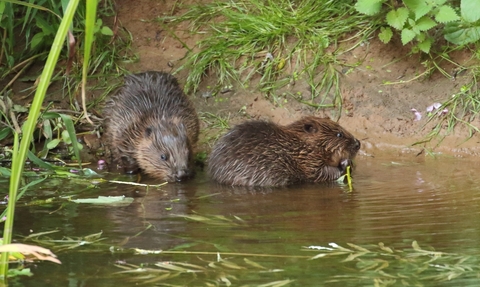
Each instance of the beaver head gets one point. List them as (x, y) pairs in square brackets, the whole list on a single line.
[(164, 151), (336, 145)]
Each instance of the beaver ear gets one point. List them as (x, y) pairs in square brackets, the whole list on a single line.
[(309, 128), (148, 131)]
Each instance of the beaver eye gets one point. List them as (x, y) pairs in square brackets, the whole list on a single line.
[(339, 135), (164, 157)]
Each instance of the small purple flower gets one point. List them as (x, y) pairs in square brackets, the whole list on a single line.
[(3, 219), (418, 115), (434, 106), (101, 164), (74, 170)]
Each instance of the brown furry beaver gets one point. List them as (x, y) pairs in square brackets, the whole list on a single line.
[(258, 153), (151, 125)]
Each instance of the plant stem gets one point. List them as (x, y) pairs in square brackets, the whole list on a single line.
[(20, 155)]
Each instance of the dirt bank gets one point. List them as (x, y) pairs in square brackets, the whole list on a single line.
[(379, 114)]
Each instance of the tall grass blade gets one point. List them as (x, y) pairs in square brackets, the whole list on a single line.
[(19, 155), (89, 30)]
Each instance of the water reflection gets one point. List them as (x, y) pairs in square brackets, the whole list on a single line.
[(435, 202)]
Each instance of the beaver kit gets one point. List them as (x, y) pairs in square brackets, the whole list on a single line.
[(151, 125), (259, 153)]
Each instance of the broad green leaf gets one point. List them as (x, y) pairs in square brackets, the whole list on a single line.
[(407, 36), (419, 7), (5, 132), (106, 31), (369, 7), (397, 18), (446, 14), (53, 143), (47, 129), (458, 34), (20, 109), (425, 45), (36, 40), (66, 137), (4, 171), (385, 34), (425, 23), (470, 10)]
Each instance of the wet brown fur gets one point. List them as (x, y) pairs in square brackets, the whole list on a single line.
[(151, 125), (258, 153)]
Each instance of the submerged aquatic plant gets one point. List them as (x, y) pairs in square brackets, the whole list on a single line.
[(369, 265)]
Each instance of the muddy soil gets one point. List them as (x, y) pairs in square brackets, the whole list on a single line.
[(378, 114)]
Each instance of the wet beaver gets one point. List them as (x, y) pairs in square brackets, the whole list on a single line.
[(258, 153), (151, 125)]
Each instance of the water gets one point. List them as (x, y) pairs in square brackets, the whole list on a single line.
[(247, 237)]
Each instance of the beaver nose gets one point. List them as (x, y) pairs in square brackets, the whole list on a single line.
[(357, 144), (182, 175)]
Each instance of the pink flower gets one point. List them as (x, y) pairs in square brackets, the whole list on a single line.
[(418, 115)]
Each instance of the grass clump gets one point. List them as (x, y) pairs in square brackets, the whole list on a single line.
[(28, 31), (278, 41), (461, 109)]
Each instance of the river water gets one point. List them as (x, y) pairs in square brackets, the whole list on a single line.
[(412, 221)]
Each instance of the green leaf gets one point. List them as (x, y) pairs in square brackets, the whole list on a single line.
[(39, 162), (369, 7), (439, 2), (446, 14), (36, 40), (67, 120), (407, 36), (470, 10), (397, 18), (66, 137), (385, 34), (5, 132), (106, 31), (425, 23), (47, 129), (458, 34), (53, 143), (419, 7), (109, 200), (425, 45)]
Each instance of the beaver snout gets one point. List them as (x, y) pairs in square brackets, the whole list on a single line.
[(357, 144), (182, 175)]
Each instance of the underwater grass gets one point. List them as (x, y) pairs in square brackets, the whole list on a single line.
[(359, 265), (278, 41)]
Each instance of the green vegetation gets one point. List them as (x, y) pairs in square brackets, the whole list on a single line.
[(34, 33), (274, 44), (279, 42), (418, 21), (28, 30)]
